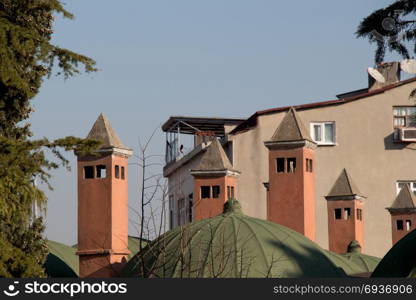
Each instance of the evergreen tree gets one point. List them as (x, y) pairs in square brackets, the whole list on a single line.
[(26, 58), (392, 28)]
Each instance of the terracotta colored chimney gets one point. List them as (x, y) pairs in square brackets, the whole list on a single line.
[(403, 214), (345, 214), (215, 182), (102, 205), (291, 188)]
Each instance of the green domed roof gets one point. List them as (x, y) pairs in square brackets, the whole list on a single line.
[(354, 263), (232, 245), (400, 261), (61, 260)]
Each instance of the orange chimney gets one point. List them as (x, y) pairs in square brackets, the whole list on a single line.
[(291, 188), (102, 205), (403, 214), (345, 214), (215, 182)]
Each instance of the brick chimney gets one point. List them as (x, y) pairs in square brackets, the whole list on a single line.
[(291, 188), (215, 182), (403, 214), (102, 205)]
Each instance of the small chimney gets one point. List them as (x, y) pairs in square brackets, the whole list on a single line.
[(390, 72)]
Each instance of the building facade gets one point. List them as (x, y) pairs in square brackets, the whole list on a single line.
[(369, 132)]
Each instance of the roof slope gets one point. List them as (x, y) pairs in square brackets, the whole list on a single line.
[(61, 260), (405, 199), (214, 159), (233, 245), (251, 122), (291, 129), (344, 186), (102, 131), (400, 260)]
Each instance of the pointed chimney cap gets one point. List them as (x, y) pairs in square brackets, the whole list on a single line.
[(404, 200), (344, 188), (214, 161), (104, 132), (290, 130)]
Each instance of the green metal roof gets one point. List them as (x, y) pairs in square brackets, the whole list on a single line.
[(63, 262), (232, 245), (354, 263), (400, 260)]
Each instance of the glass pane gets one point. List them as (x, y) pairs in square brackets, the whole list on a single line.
[(399, 121), (411, 110), (399, 111), (317, 133), (329, 133)]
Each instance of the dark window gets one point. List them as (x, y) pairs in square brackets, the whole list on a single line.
[(291, 165), (347, 213), (399, 224), (101, 171), (215, 191), (88, 172), (117, 171), (190, 207), (228, 192), (232, 193), (338, 213), (122, 173), (280, 165), (309, 165), (359, 214), (171, 211), (205, 192)]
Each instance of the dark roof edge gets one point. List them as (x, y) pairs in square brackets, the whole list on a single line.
[(251, 123)]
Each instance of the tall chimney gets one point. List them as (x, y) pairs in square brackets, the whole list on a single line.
[(102, 205)]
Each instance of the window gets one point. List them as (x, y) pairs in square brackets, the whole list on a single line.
[(232, 193), (122, 173), (205, 192), (117, 171), (280, 165), (291, 165), (400, 184), (359, 214), (323, 133), (190, 207), (347, 213), (404, 116), (181, 208), (338, 213), (408, 225), (215, 191), (88, 172), (171, 211), (399, 224), (101, 171), (309, 165), (228, 192)]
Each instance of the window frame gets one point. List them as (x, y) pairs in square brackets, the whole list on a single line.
[(322, 125)]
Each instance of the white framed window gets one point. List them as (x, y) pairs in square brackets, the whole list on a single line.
[(323, 133), (401, 183)]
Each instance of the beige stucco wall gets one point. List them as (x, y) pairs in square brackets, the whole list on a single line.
[(364, 147)]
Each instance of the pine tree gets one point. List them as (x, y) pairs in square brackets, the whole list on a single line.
[(27, 57), (391, 29)]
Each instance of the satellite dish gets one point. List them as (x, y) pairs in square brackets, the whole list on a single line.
[(408, 66), (376, 75)]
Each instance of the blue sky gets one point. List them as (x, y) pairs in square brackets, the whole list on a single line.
[(185, 57)]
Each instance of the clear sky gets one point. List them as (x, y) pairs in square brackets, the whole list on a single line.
[(185, 57)]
